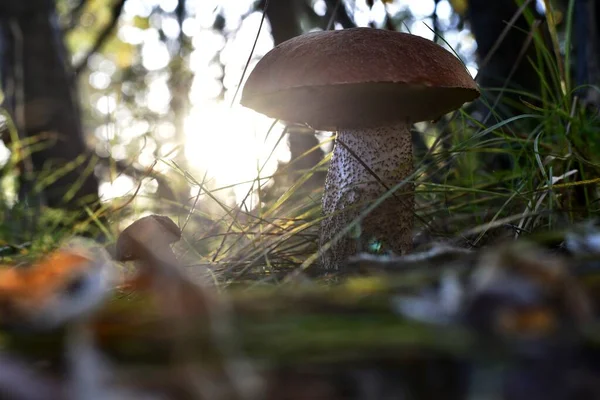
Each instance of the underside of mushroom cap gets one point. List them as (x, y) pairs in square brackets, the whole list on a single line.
[(358, 78), (361, 105)]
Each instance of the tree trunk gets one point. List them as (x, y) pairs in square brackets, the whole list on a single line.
[(40, 93), (504, 64), (587, 38), (284, 17)]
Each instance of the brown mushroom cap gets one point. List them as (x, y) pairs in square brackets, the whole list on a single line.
[(147, 234), (358, 78)]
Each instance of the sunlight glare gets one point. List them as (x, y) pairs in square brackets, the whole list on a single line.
[(320, 7), (134, 129), (168, 6), (118, 188), (159, 95), (229, 144), (234, 54), (473, 69), (140, 8), (106, 104), (165, 130), (131, 35), (105, 132), (420, 8), (360, 12), (170, 27), (444, 10), (378, 14), (99, 80), (154, 55), (190, 27), (147, 156), (4, 154), (422, 28), (540, 7)]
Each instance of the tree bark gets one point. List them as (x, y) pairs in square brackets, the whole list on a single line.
[(284, 18), (587, 35), (504, 63), (505, 66), (40, 93)]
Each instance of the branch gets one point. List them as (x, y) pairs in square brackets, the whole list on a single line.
[(103, 36)]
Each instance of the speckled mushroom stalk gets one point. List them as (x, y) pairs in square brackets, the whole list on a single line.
[(350, 188)]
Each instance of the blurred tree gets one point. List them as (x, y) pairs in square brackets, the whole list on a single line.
[(505, 52), (179, 82), (40, 93), (507, 60), (587, 46), (290, 18)]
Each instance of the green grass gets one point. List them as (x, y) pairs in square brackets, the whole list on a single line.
[(553, 147)]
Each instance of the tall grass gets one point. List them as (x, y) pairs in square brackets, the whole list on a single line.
[(551, 144)]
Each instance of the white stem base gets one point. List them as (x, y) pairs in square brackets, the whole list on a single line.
[(350, 188)]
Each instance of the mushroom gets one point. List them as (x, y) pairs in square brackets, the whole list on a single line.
[(369, 85), (147, 242), (149, 239)]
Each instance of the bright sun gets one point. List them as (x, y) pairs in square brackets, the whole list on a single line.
[(231, 145)]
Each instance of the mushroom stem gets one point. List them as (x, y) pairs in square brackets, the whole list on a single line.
[(350, 187)]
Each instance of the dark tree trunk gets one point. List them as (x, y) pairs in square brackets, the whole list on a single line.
[(504, 63), (587, 43), (508, 65), (180, 82), (40, 93), (284, 18)]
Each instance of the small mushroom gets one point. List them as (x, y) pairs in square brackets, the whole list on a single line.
[(147, 242), (149, 239), (370, 85)]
